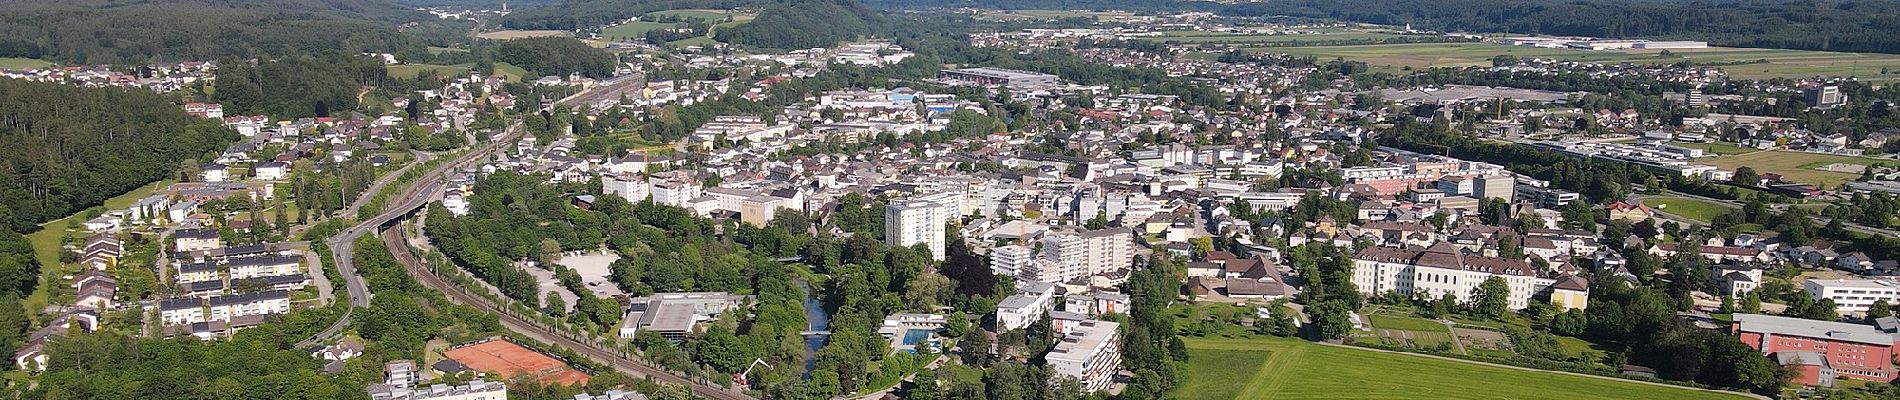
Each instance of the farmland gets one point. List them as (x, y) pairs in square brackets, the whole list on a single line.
[(519, 34), (411, 70), (1274, 368), (632, 30), (22, 63), (1746, 63)]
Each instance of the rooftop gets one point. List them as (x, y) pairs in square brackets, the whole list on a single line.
[(1825, 330)]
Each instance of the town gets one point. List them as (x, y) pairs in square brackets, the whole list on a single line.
[(1023, 204)]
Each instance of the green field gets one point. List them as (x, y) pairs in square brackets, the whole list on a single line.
[(633, 30), (1716, 148), (411, 70), (1223, 37), (1757, 63), (1274, 368), (1423, 333), (1796, 166), (512, 72), (1687, 208), (23, 63), (708, 15), (439, 50), (46, 241)]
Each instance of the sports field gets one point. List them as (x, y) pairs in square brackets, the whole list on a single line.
[(1420, 332), (1797, 166), (507, 359), (1687, 208), (1276, 368), (517, 34), (1747, 63), (1716, 148)]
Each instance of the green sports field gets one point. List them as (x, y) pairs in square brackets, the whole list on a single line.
[(1687, 208), (1794, 166), (1275, 368)]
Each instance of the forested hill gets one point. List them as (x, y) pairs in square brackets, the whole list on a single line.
[(780, 24), (116, 32), (804, 24), (582, 14), (64, 149), (1868, 26)]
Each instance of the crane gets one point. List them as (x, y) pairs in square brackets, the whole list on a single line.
[(739, 378)]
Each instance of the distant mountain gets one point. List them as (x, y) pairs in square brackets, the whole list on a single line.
[(118, 31)]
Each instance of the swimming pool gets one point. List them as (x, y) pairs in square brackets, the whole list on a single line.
[(914, 336)]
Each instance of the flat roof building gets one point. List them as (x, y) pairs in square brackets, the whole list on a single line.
[(986, 76), (673, 315), (1856, 351), (1090, 352)]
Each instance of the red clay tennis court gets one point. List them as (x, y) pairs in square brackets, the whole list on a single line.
[(507, 359)]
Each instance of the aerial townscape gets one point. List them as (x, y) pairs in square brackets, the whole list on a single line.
[(927, 200)]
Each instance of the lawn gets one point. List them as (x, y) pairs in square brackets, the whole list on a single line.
[(1687, 208), (1794, 166), (433, 50), (632, 30), (1748, 63), (1716, 148), (46, 241), (512, 72), (1423, 333), (23, 63), (1275, 368), (411, 70)]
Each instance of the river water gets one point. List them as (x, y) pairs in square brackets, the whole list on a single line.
[(815, 320)]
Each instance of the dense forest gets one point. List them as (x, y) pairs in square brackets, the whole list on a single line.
[(583, 14), (295, 87), (1817, 25), (65, 148), (556, 56), (99, 31), (803, 24)]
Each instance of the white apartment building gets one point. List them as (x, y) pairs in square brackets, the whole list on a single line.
[(225, 308), (1020, 310), (1011, 260), (474, 390), (181, 311), (1853, 296), (1090, 352), (1440, 270), (627, 186), (920, 220), (270, 265)]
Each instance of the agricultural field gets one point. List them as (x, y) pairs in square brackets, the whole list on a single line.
[(1055, 14), (1277, 368), (510, 71), (433, 50), (1193, 37), (1796, 166), (519, 34), (1698, 210), (1749, 63), (23, 63), (411, 70)]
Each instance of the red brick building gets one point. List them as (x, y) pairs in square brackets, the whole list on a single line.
[(1820, 350)]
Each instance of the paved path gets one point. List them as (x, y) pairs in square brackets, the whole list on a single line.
[(1748, 395), (325, 293)]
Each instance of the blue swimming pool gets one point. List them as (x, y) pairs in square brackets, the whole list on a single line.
[(914, 336)]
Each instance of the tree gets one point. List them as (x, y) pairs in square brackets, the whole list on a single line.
[(1880, 309), (554, 304), (1332, 319), (1751, 303), (927, 291), (1579, 215), (1492, 299), (1747, 176)]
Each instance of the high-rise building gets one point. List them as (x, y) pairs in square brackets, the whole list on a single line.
[(1501, 186), (920, 220), (1090, 352)]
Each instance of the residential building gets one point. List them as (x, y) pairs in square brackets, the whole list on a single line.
[(1090, 352), (474, 390), (920, 220), (1029, 303), (195, 239)]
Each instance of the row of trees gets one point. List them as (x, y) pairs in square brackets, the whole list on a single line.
[(556, 56), (295, 87)]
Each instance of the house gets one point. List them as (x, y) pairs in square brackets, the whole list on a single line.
[(196, 239), (1630, 212), (214, 172), (271, 170)]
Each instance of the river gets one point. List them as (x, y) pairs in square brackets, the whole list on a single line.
[(816, 320)]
